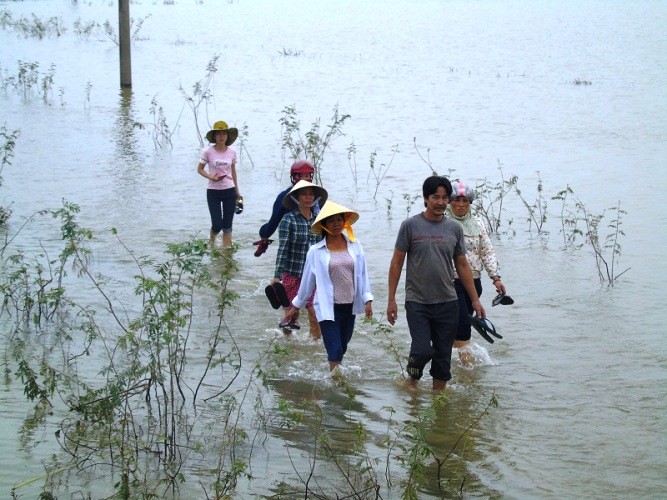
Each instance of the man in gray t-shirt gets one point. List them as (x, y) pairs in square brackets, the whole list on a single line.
[(434, 246)]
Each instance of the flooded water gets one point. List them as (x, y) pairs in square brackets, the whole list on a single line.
[(574, 90)]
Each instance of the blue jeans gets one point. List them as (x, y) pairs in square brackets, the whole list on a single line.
[(221, 206), (433, 330), (337, 333)]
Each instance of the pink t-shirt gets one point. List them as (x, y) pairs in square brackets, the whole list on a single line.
[(219, 163)]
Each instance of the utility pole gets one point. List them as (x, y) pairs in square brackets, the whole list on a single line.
[(124, 44)]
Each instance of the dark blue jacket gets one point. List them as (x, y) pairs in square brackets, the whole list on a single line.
[(278, 211)]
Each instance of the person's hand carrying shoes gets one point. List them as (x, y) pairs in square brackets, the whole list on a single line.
[(262, 245)]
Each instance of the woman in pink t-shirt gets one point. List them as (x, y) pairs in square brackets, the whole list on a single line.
[(223, 192)]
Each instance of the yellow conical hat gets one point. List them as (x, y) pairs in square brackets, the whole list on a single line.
[(330, 208)]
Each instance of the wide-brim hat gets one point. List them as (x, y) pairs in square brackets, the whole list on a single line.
[(290, 199), (232, 133), (330, 208)]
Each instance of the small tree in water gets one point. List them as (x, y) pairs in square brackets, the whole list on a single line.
[(315, 143)]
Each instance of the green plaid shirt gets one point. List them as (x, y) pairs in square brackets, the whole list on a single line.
[(295, 239)]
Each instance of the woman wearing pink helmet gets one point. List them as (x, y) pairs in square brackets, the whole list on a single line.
[(480, 255), (300, 170)]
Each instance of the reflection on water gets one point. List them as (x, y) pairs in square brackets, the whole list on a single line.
[(127, 143), (342, 430), (579, 369)]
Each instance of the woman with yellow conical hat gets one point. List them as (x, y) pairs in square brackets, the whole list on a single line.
[(336, 269)]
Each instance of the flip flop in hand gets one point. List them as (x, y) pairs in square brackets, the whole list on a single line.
[(262, 245), (490, 328), (484, 327), (503, 299)]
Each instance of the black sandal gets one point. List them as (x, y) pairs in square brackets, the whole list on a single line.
[(273, 298), (281, 294), (480, 327), (503, 299), (277, 295), (483, 326), (490, 328)]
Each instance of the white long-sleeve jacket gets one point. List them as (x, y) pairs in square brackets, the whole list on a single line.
[(316, 274)]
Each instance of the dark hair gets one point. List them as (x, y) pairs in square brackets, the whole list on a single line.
[(431, 185)]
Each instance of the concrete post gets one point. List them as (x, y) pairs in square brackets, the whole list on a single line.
[(124, 44)]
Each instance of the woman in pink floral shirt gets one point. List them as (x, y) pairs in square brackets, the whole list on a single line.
[(480, 255)]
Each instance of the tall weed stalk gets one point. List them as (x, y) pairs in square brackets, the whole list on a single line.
[(8, 138), (201, 96), (537, 209), (606, 247), (161, 132), (379, 172), (491, 199)]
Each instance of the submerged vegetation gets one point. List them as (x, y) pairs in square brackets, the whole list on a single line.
[(579, 225), (29, 81), (290, 52), (54, 26), (33, 27), (8, 138)]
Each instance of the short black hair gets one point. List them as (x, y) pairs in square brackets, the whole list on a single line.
[(431, 185)]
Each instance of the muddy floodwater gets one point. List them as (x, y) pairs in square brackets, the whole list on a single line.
[(569, 94)]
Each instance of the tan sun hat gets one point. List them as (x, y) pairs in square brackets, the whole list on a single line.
[(290, 201), (232, 133), (330, 208)]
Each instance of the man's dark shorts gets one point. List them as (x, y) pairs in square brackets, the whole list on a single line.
[(433, 330)]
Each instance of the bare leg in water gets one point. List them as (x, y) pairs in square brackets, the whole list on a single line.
[(439, 385), (465, 355), (315, 332)]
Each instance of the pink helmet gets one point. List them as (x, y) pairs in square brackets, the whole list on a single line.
[(300, 169), (459, 189)]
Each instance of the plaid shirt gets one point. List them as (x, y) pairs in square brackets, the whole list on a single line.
[(295, 239)]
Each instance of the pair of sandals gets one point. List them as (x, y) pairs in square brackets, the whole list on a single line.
[(484, 327), (277, 296)]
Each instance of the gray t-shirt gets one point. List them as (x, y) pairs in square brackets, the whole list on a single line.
[(430, 248)]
